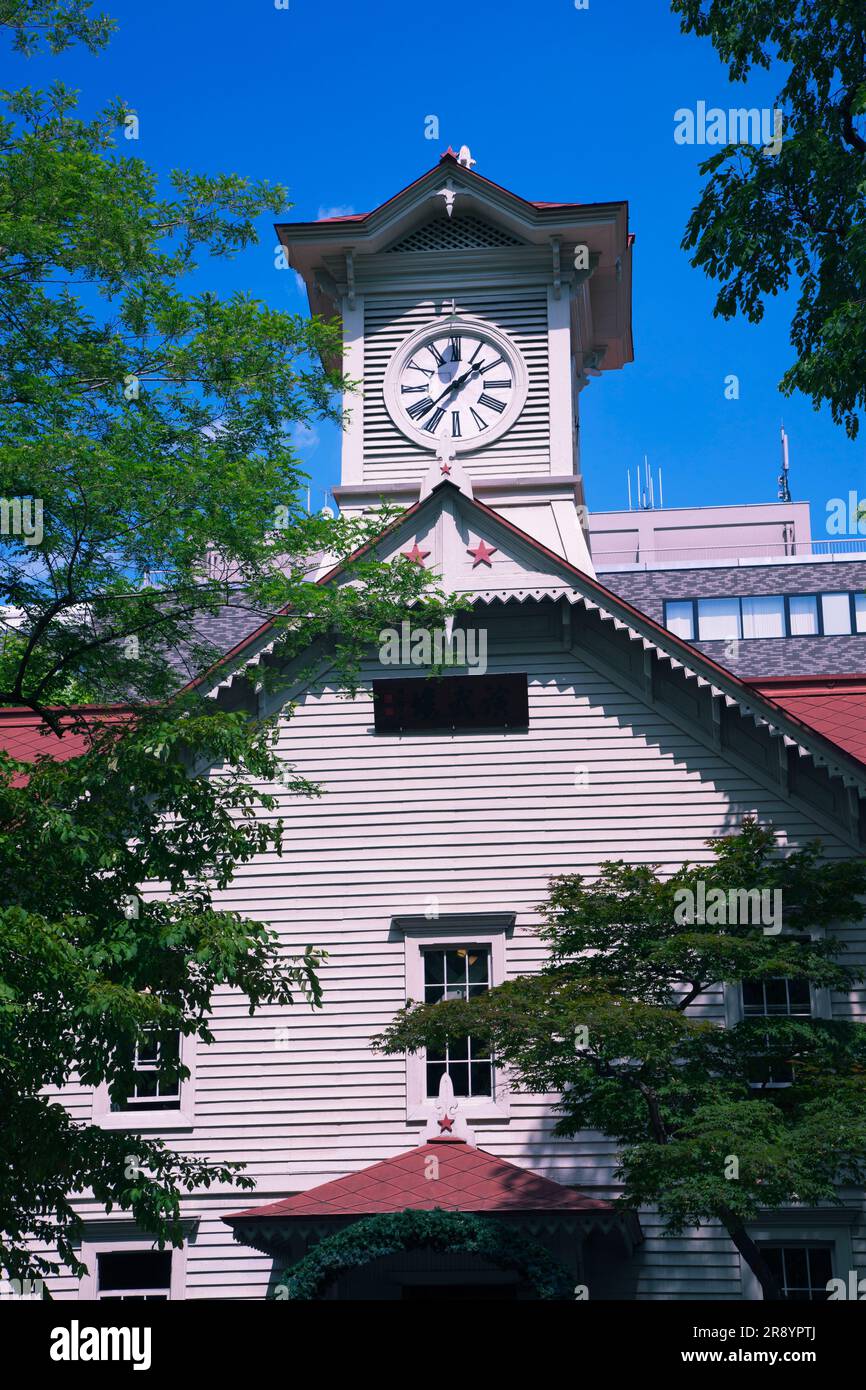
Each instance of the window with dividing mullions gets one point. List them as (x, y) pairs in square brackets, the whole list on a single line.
[(151, 1087), (458, 972)]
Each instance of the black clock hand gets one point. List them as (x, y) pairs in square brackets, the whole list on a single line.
[(460, 381)]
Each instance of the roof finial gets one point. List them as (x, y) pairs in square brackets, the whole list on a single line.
[(448, 1123), (465, 157)]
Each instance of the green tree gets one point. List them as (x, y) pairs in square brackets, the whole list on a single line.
[(765, 222), (148, 481), (54, 24), (704, 1131)]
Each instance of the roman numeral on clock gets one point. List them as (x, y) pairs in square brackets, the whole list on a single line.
[(414, 365), (479, 420), (491, 402), (455, 424), (501, 384), (419, 408), (407, 390), (434, 421), (455, 349), (433, 349)]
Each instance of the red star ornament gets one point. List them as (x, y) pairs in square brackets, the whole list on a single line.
[(416, 555), (481, 554), (446, 1124)]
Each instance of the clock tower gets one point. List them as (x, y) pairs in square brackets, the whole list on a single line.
[(472, 320)]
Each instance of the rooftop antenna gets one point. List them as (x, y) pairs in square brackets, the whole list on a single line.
[(628, 476), (784, 490)]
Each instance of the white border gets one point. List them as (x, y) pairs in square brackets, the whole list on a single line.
[(122, 1243), (149, 1121), (453, 932), (438, 328)]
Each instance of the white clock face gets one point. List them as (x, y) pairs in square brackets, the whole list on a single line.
[(458, 383)]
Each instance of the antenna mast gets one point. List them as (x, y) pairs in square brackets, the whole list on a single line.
[(784, 489)]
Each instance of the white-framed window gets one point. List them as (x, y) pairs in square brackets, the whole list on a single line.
[(154, 1102), (775, 997), (455, 956), (804, 1271), (805, 1250), (455, 971), (123, 1266)]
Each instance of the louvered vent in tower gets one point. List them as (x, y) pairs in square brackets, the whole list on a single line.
[(455, 234)]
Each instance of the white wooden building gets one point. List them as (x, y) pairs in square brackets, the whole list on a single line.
[(473, 319)]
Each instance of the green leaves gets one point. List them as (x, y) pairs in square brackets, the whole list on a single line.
[(762, 222), (54, 24), (609, 1025)]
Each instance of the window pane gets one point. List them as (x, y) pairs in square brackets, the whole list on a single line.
[(680, 620), (836, 612), (718, 619), (764, 616), (435, 1073), (434, 967), (482, 1079), (455, 969), (800, 997), (135, 1269), (753, 996), (796, 1268), (820, 1268), (860, 612), (459, 1073), (478, 967), (777, 996), (804, 615)]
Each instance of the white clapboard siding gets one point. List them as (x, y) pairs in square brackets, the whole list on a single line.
[(480, 822)]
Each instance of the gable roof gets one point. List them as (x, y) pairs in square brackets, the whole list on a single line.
[(536, 572), (336, 256), (835, 706), (469, 1179)]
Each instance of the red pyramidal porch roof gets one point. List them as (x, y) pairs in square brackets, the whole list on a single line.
[(468, 1180)]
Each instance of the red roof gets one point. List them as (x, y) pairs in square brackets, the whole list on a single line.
[(25, 735), (833, 705), (468, 1180)]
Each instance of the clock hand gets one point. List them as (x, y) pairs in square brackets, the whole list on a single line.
[(461, 381)]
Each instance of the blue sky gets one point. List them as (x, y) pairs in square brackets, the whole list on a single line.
[(556, 103)]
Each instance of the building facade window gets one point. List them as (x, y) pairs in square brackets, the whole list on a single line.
[(134, 1276), (455, 956), (458, 972), (777, 997), (156, 1100), (121, 1265), (803, 1271), (152, 1087), (766, 615), (417, 704)]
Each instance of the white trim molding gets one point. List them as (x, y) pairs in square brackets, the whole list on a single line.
[(173, 1118), (830, 1227), (116, 1239), (485, 929)]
